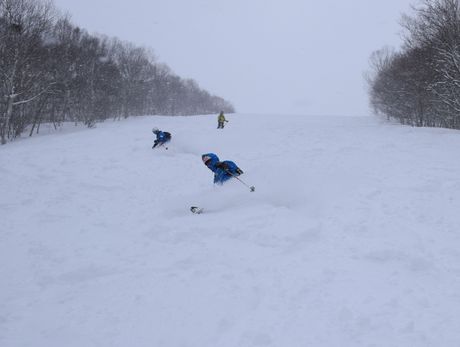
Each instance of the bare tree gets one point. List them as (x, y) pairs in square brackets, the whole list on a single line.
[(425, 76), (24, 25), (52, 71)]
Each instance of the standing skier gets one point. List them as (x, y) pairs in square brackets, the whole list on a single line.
[(223, 170), (162, 137), (221, 120)]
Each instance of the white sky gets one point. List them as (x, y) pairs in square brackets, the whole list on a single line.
[(264, 56)]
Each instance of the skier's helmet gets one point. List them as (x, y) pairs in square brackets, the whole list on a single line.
[(155, 131)]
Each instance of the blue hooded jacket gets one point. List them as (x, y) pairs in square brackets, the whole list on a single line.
[(223, 170), (163, 136)]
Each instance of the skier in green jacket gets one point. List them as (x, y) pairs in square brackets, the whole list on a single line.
[(221, 120)]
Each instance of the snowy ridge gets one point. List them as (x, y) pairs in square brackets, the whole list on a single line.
[(351, 238)]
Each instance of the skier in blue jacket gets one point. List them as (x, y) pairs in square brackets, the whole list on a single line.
[(223, 170), (162, 137)]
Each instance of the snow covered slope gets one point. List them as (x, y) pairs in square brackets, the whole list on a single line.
[(350, 239)]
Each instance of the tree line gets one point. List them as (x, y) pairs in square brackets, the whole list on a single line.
[(53, 71), (420, 85)]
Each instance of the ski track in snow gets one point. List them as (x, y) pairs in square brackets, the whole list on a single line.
[(350, 239)]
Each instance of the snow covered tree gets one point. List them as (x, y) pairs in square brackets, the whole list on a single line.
[(437, 26), (52, 71), (421, 84), (24, 24)]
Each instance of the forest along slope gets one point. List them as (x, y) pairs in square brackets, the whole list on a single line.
[(350, 239)]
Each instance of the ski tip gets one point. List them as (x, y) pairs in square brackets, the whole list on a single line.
[(252, 189), (196, 209)]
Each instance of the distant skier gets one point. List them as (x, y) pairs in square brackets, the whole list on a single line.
[(223, 170), (221, 120), (162, 137)]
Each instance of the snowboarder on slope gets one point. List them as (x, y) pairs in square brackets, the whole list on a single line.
[(162, 137), (221, 120), (223, 170)]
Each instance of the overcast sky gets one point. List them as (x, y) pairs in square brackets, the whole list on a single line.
[(264, 56)]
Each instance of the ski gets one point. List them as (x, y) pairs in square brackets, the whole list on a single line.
[(196, 209)]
